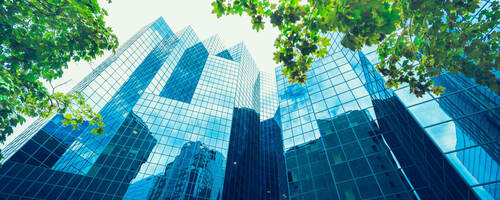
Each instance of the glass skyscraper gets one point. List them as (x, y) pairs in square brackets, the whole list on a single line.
[(333, 144), (185, 119), (191, 119), (347, 136)]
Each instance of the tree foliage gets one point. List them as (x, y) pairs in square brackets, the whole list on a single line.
[(417, 39), (38, 38)]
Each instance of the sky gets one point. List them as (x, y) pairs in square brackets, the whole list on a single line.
[(126, 17)]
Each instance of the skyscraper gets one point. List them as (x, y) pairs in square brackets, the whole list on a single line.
[(347, 136), (334, 147), (183, 120), (191, 119)]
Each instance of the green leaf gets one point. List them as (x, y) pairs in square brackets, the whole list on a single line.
[(430, 37), (37, 45)]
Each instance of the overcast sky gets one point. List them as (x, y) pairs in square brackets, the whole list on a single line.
[(126, 17)]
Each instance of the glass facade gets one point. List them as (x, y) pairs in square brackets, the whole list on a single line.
[(333, 144), (183, 121), (462, 126), (347, 136), (191, 119)]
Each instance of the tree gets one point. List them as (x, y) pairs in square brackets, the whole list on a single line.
[(38, 39), (417, 39)]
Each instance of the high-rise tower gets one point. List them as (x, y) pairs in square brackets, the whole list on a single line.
[(183, 120), (191, 119), (347, 136)]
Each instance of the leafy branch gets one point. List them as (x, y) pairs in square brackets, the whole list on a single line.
[(37, 41), (417, 39)]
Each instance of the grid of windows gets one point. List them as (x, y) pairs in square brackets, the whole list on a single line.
[(248, 92), (186, 118), (84, 152), (112, 89), (255, 143), (272, 160), (463, 123), (187, 39), (268, 96), (422, 157), (172, 106), (207, 120), (242, 180), (441, 147), (333, 146), (182, 83), (143, 41)]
